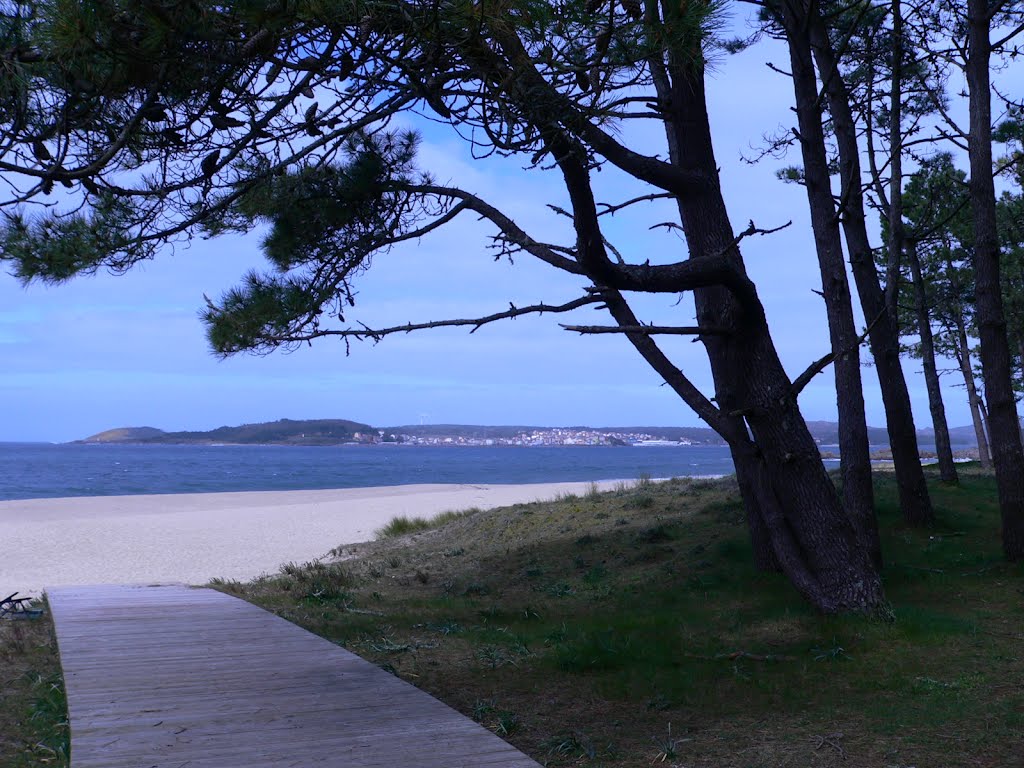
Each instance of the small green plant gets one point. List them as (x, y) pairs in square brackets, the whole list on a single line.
[(482, 708), (668, 747), (593, 492), (508, 723), (571, 745), (643, 480), (494, 656)]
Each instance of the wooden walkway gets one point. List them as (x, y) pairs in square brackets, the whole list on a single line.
[(178, 677)]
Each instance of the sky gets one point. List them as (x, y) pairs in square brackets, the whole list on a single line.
[(107, 351)]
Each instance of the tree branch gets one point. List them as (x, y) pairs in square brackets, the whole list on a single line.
[(376, 334), (608, 208), (512, 231), (822, 363), (666, 330)]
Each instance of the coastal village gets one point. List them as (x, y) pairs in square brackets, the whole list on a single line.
[(534, 438)]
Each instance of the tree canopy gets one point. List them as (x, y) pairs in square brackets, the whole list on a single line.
[(127, 125)]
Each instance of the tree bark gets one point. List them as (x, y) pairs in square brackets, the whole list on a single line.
[(814, 542), (947, 468), (747, 471), (1020, 354), (897, 235), (963, 359), (1003, 422), (854, 451), (913, 490), (812, 539)]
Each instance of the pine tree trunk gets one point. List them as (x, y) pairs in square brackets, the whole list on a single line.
[(747, 471), (814, 542), (1020, 354), (1003, 422), (913, 490), (973, 400), (947, 468), (854, 451)]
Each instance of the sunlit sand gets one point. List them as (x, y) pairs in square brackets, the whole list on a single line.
[(193, 538)]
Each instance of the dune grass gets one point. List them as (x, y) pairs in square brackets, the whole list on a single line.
[(629, 628), (403, 525), (33, 709)]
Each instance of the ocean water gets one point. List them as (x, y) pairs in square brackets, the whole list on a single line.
[(34, 470)]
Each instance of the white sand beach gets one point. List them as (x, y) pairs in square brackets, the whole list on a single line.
[(192, 538)]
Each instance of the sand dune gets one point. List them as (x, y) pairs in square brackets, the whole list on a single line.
[(192, 538)]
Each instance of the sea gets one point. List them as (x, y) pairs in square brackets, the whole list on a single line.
[(44, 470)]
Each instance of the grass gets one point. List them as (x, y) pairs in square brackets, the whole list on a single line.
[(404, 525), (629, 628), (33, 710)]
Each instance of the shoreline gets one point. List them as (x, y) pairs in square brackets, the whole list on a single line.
[(195, 537)]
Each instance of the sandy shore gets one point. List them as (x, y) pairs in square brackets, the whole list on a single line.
[(192, 538)]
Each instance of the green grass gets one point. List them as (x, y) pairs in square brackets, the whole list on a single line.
[(403, 525), (33, 708), (590, 624)]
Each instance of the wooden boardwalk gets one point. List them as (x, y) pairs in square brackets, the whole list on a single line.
[(179, 677)]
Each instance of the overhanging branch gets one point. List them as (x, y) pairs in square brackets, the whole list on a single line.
[(511, 231), (376, 334), (666, 330), (822, 363)]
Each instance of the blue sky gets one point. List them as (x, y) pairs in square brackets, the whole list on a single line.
[(107, 351)]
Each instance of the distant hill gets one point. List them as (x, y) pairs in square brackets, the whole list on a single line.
[(125, 435), (957, 435), (283, 432), (827, 433)]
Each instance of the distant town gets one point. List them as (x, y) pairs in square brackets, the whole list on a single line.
[(536, 437)]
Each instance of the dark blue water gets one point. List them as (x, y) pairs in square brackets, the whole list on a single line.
[(30, 471)]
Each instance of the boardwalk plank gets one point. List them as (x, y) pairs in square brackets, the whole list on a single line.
[(172, 676)]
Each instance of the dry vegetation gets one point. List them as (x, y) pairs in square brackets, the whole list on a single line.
[(33, 712), (628, 628)]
